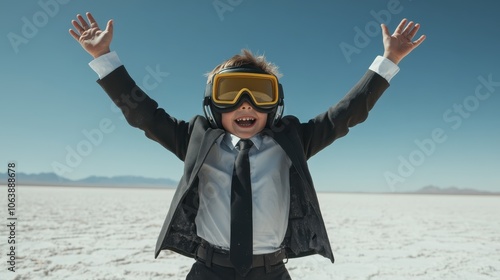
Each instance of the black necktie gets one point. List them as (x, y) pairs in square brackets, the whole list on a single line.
[(241, 250)]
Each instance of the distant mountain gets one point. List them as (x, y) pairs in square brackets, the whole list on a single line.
[(452, 190), (52, 179)]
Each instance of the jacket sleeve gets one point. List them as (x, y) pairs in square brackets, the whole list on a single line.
[(351, 110), (142, 112)]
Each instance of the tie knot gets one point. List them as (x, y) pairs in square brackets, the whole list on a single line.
[(245, 144)]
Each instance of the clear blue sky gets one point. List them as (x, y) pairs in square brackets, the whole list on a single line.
[(50, 102)]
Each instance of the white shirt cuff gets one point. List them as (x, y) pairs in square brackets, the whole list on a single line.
[(384, 67), (105, 64)]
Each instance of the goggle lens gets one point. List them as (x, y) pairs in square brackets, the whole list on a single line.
[(229, 87)]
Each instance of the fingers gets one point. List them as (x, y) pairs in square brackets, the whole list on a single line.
[(92, 21), (399, 29), (77, 26), (413, 31), (419, 41), (73, 33), (83, 23), (408, 29)]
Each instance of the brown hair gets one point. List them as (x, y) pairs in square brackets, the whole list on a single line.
[(246, 57)]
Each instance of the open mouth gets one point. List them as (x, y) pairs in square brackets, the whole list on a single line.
[(245, 122)]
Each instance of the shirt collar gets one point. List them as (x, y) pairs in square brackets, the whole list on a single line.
[(231, 140)]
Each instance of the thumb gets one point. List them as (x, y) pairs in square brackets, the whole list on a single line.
[(385, 30), (109, 26)]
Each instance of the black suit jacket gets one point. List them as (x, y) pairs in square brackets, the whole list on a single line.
[(191, 141)]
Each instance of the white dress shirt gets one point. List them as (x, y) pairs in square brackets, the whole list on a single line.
[(269, 174)]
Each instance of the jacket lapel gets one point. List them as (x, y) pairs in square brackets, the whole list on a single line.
[(206, 144), (290, 146)]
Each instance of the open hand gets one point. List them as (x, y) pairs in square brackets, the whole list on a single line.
[(94, 40), (400, 44)]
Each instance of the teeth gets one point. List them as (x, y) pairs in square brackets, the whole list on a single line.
[(244, 119)]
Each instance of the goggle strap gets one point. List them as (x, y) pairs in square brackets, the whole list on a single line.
[(245, 68)]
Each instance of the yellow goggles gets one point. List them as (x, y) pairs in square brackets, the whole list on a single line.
[(228, 88)]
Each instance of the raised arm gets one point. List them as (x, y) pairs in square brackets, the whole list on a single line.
[(138, 108), (93, 40), (354, 107)]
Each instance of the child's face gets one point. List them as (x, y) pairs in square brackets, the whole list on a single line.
[(244, 121)]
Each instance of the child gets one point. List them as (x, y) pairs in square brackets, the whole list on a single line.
[(240, 225)]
